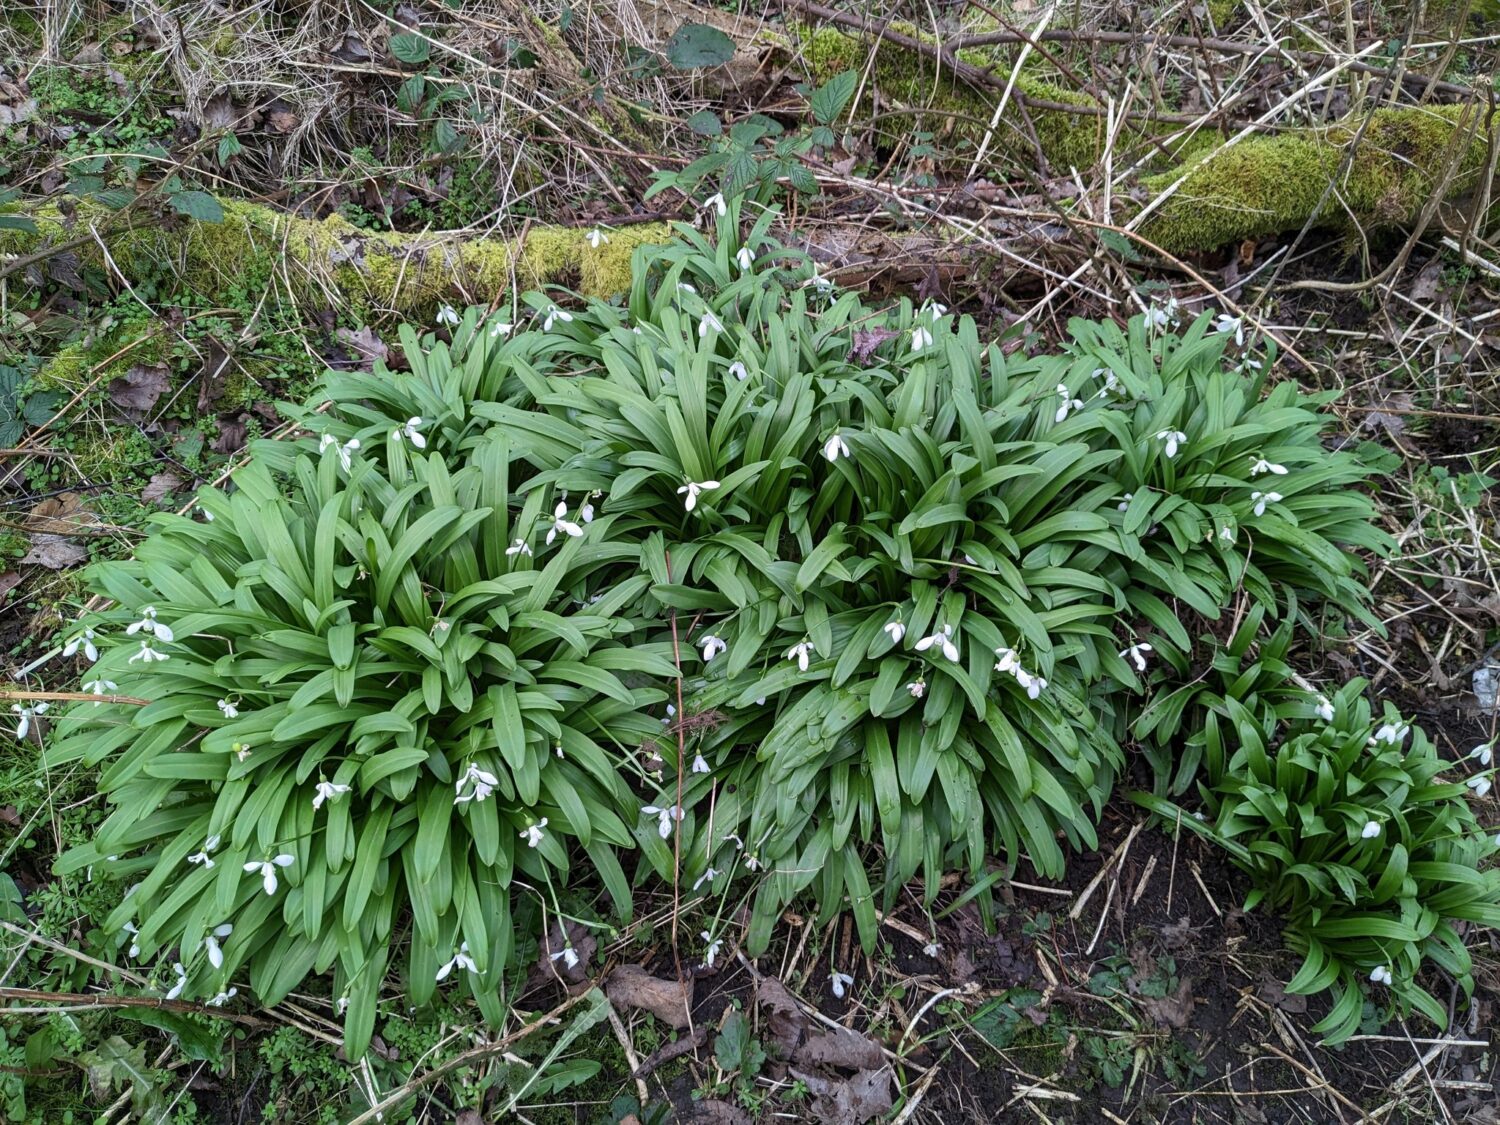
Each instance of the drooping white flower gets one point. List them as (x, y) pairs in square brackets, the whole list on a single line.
[(135, 945), (1324, 709), (202, 856), (147, 654), (712, 952), (211, 942), (943, 639), (1263, 466), (26, 715), (835, 447), (932, 948), (1112, 384), (692, 489), (1262, 499), (327, 791), (228, 709), (920, 338), (684, 287), (716, 201), (671, 712), (744, 259), (1162, 317), (176, 990), (85, 641), (840, 983), (208, 517), (1069, 403), (1390, 733), (664, 817), (1480, 784), (713, 646), (222, 998), (1381, 974), (267, 869), (533, 833), (568, 956), (895, 630), (700, 764), (1484, 752), (1033, 685), (1370, 830), (500, 328), (345, 451), (597, 238), (519, 547), (752, 863), (800, 652), (1009, 660), (739, 371), (561, 525), (1173, 439), (937, 307), (460, 960), (149, 624), (1234, 324), (100, 687), (1124, 504), (708, 876), (709, 323), (1136, 654), (553, 316), (586, 512), (482, 780), (409, 431), (917, 689), (448, 315)]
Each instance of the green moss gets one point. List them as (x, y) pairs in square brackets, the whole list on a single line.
[(605, 270), (1220, 12)]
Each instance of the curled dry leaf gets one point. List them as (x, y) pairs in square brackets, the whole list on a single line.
[(160, 487), (55, 552), (363, 346), (631, 986), (136, 392)]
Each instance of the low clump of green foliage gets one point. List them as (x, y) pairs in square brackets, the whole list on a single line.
[(1349, 830), (909, 588)]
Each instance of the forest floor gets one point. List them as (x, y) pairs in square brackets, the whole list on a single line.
[(138, 356)]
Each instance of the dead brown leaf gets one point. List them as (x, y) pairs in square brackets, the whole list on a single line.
[(1273, 992), (281, 117), (784, 1022), (219, 111), (363, 346), (714, 1111), (63, 514), (1173, 1010), (10, 816), (631, 986), (8, 582), (161, 486), (55, 552), (848, 1101), (231, 437), (137, 390), (352, 50), (840, 1047)]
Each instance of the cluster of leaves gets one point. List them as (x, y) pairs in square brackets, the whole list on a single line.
[(416, 664), (1349, 830)]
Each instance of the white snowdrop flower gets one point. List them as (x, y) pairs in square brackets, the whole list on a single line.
[(1484, 752), (1198, 816), (917, 689), (840, 983), (1231, 324), (345, 452), (341, 1005), (85, 641), (100, 687), (895, 630), (709, 323), (835, 447), (519, 547), (1324, 709), (176, 990), (751, 863), (744, 259), (1262, 499), (500, 328), (932, 948), (1370, 830), (25, 716), (241, 750), (147, 654), (149, 624), (800, 652), (1263, 466), (597, 238), (562, 525), (943, 639), (664, 817), (1009, 661), (1033, 685), (671, 713), (222, 998), (409, 431), (716, 201), (713, 646), (1112, 384), (482, 780), (1173, 439), (920, 338), (1136, 654), (739, 845), (707, 877), (267, 869), (208, 517), (586, 512), (568, 956), (1124, 504), (1481, 785), (712, 952), (460, 960), (202, 856), (760, 701), (1162, 317), (533, 834), (1069, 403), (228, 709), (327, 791), (1390, 733), (691, 491), (211, 941), (448, 315), (937, 307), (738, 370), (1381, 974), (684, 287), (553, 316), (135, 946), (700, 764)]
